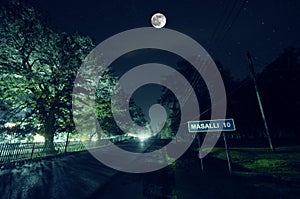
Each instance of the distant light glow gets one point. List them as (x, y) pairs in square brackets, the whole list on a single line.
[(94, 138), (10, 125), (141, 136), (38, 138)]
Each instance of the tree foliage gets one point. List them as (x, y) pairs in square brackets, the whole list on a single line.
[(106, 87), (37, 69)]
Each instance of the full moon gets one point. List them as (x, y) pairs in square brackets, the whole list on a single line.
[(158, 20)]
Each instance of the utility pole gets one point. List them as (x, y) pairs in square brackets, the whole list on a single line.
[(251, 67)]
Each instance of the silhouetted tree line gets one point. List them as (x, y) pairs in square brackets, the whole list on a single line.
[(278, 85)]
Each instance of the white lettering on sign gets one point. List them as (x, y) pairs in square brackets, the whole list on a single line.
[(211, 125), (205, 126)]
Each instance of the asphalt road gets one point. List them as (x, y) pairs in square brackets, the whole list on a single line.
[(81, 176), (156, 184), (77, 175)]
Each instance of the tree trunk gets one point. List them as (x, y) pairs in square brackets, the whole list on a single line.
[(49, 145), (49, 134)]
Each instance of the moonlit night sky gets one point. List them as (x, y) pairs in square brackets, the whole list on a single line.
[(227, 29)]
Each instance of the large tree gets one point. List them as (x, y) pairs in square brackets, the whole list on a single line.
[(106, 87), (37, 70)]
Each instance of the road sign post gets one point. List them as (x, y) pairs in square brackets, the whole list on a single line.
[(200, 155), (213, 126), (227, 153)]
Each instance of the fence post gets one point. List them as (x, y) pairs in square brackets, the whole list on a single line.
[(31, 156), (67, 142)]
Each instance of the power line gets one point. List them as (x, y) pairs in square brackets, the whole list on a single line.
[(222, 24), (220, 21), (196, 80), (219, 101), (235, 18), (227, 18)]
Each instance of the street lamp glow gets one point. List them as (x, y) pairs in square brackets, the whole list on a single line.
[(143, 137)]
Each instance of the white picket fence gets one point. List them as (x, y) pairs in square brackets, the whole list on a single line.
[(14, 152)]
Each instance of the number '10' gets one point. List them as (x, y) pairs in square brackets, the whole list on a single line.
[(226, 124)]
